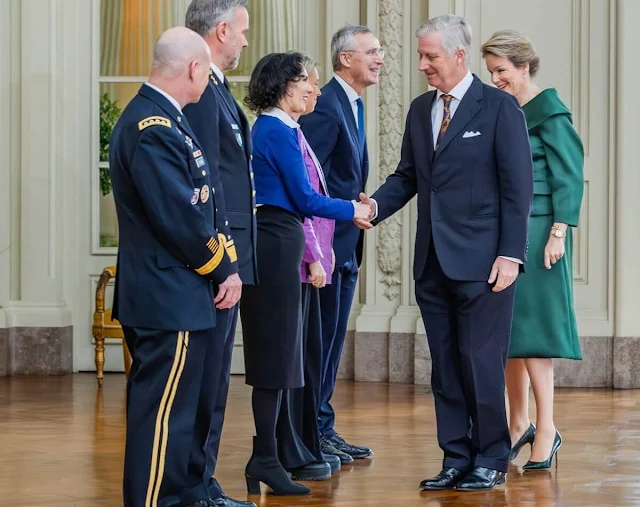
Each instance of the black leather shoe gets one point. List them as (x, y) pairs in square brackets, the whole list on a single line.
[(334, 462), (314, 471), (446, 479), (202, 503), (355, 451), (225, 501), (481, 479), (326, 447)]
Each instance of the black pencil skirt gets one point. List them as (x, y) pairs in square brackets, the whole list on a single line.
[(271, 312)]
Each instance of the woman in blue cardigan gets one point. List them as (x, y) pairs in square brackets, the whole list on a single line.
[(271, 311)]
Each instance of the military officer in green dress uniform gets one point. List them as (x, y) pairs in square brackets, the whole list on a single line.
[(544, 322)]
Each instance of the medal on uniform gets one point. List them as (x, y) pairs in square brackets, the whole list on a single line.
[(204, 194), (197, 153), (239, 138), (189, 141), (200, 162), (194, 197)]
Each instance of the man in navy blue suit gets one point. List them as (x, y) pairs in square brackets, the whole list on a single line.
[(224, 132), (174, 266), (335, 131), (466, 154)]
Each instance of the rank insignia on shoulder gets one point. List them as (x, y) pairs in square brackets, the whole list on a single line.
[(204, 194), (197, 154), (194, 197), (154, 120)]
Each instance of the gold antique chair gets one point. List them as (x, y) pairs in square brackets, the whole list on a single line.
[(104, 327)]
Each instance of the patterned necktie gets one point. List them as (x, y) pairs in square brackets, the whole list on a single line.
[(446, 118)]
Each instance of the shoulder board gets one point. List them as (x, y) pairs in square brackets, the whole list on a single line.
[(154, 120)]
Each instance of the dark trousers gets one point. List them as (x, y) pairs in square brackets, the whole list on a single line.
[(335, 306), (468, 328), (297, 430), (170, 393), (226, 321)]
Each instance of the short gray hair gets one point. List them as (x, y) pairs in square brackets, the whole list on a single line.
[(342, 41), (307, 62), (455, 33), (204, 15)]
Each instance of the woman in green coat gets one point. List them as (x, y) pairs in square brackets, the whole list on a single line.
[(544, 322)]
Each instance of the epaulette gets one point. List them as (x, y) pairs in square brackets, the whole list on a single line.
[(154, 120)]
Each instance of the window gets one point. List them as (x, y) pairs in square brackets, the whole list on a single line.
[(128, 30)]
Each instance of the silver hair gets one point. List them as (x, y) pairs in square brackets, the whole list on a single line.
[(455, 33), (204, 15), (308, 63), (343, 40)]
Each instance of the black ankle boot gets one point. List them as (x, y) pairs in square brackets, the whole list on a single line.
[(265, 467)]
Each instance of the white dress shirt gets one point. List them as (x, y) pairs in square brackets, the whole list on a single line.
[(217, 72), (437, 111), (166, 95)]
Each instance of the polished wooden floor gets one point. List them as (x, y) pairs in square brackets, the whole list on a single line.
[(61, 444)]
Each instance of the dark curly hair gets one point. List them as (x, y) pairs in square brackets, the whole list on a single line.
[(270, 79)]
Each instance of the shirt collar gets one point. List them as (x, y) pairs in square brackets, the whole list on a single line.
[(217, 72), (352, 95), (460, 89), (276, 112), (166, 95)]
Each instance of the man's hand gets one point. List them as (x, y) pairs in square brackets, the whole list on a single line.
[(229, 292), (505, 272), (364, 221)]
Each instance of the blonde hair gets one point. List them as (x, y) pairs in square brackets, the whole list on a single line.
[(514, 46)]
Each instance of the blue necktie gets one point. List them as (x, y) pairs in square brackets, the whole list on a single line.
[(360, 120)]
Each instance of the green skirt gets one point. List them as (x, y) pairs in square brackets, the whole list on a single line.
[(544, 320)]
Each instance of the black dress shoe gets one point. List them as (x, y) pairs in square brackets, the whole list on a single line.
[(326, 447), (446, 479), (355, 451), (334, 462), (481, 479), (202, 503), (225, 501), (314, 471)]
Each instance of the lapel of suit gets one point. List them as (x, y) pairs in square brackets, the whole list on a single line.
[(427, 125), (223, 94), (351, 121), (467, 109)]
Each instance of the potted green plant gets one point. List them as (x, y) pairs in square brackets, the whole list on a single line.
[(109, 114)]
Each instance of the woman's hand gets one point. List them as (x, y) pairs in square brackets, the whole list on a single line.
[(554, 251), (317, 275)]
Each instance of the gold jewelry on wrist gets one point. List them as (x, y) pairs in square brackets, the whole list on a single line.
[(558, 233)]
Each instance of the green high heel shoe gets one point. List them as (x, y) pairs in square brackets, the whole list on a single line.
[(546, 465), (526, 438)]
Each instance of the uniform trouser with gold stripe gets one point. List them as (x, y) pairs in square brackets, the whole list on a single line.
[(170, 394)]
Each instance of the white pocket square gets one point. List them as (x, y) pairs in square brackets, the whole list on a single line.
[(470, 134)]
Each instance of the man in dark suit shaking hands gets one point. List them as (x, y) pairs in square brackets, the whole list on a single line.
[(335, 131), (466, 154)]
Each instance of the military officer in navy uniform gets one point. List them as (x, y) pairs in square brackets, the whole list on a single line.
[(174, 267), (224, 133)]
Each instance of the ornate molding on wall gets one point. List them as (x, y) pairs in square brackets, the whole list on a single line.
[(389, 244)]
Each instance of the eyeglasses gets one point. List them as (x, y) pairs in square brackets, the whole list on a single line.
[(375, 52)]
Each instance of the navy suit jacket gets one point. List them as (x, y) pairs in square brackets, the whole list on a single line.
[(475, 193), (225, 134), (169, 249), (332, 132)]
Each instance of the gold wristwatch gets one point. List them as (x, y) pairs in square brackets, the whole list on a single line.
[(557, 232)]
